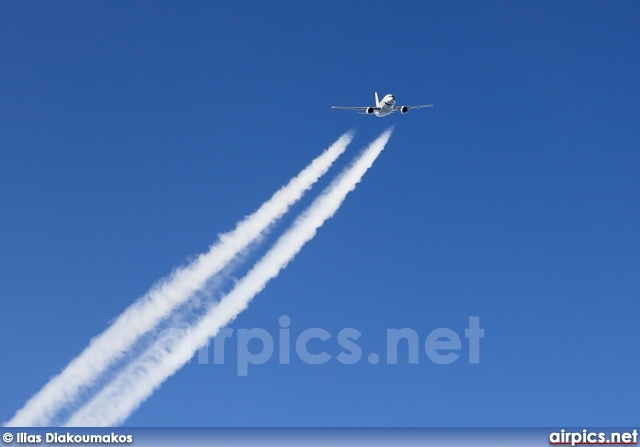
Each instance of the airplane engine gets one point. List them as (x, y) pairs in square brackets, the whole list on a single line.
[(404, 109), (369, 110)]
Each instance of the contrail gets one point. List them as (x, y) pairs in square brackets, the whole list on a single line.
[(114, 403), (144, 314)]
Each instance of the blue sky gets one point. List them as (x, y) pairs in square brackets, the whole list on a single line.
[(133, 133)]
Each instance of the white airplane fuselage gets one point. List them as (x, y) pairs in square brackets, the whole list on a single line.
[(386, 105)]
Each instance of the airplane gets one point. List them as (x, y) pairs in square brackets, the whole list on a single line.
[(383, 108)]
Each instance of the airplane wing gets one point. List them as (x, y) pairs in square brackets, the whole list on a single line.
[(362, 110), (412, 107)]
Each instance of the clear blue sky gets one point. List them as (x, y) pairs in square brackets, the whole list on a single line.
[(132, 133)]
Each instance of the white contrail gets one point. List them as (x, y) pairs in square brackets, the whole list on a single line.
[(114, 403), (166, 295)]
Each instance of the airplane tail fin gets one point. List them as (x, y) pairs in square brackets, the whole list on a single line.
[(377, 102)]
